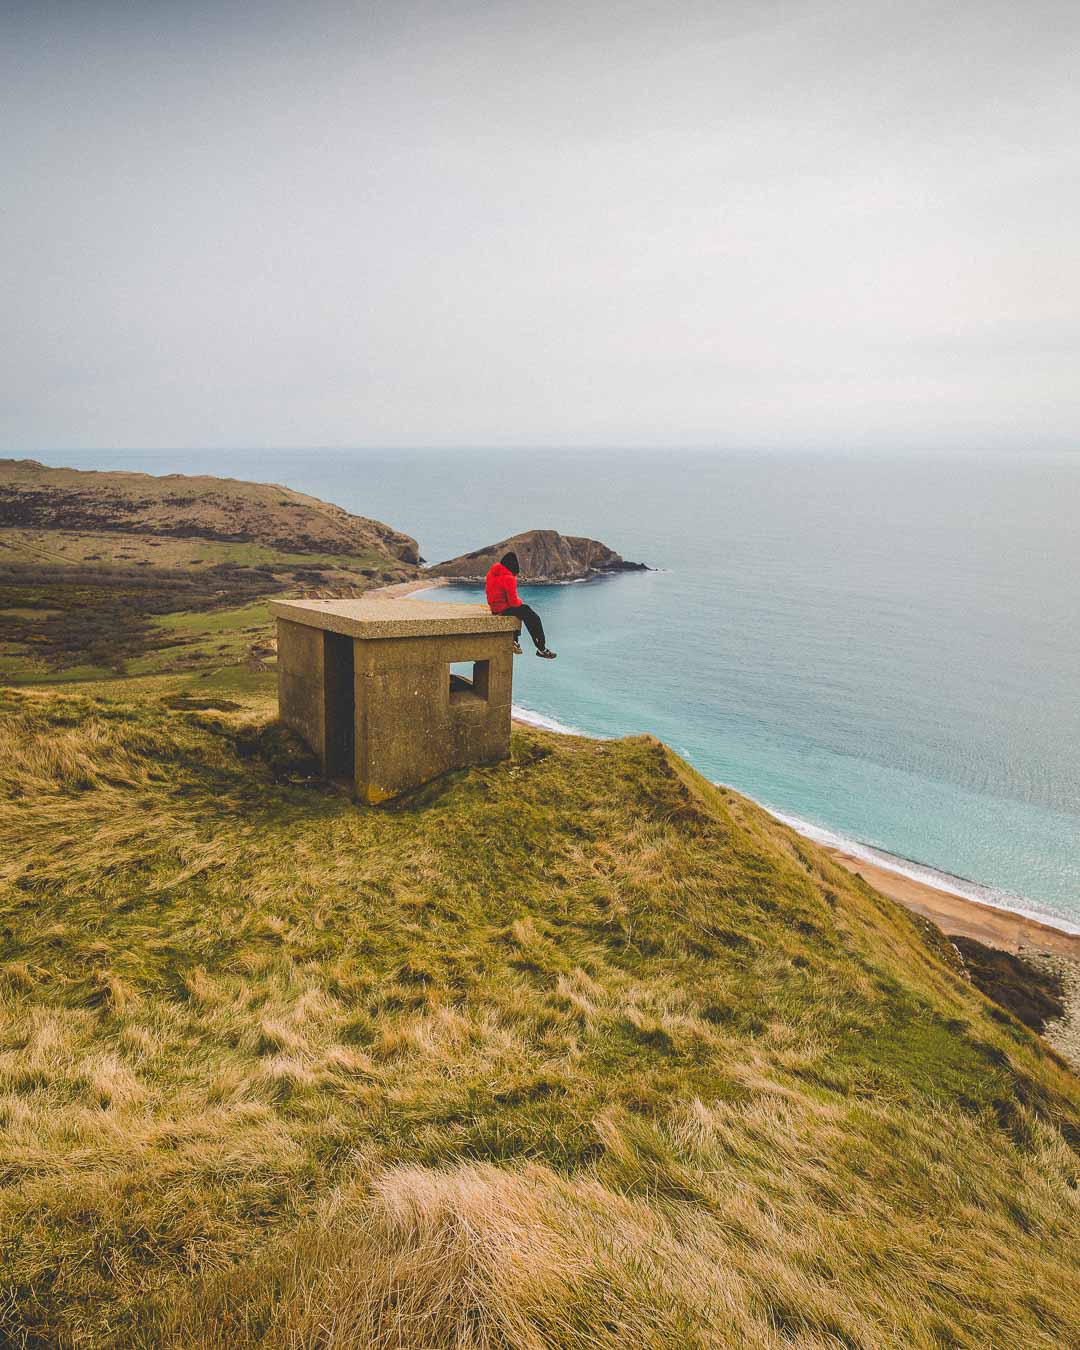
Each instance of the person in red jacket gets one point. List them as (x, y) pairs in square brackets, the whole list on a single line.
[(502, 598)]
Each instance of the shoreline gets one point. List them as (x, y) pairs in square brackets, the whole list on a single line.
[(961, 916), (994, 925), (398, 590)]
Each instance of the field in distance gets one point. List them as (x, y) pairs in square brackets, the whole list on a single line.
[(103, 574)]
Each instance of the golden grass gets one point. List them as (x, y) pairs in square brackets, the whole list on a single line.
[(663, 1244), (572, 1051)]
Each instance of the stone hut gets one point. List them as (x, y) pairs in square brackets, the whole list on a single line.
[(370, 686)]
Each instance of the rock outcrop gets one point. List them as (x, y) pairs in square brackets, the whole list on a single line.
[(544, 555)]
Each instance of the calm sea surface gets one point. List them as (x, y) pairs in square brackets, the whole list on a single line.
[(887, 649)]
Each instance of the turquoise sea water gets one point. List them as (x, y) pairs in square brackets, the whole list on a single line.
[(884, 648)]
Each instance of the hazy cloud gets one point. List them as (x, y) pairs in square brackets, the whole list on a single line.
[(513, 223)]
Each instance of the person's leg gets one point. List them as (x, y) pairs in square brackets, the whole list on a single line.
[(514, 612), (531, 620)]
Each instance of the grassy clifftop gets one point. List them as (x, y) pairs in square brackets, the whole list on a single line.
[(574, 1050)]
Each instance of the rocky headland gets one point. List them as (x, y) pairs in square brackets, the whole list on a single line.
[(34, 496), (544, 555)]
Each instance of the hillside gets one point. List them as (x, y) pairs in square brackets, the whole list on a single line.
[(179, 506), (128, 573), (544, 555), (575, 1050)]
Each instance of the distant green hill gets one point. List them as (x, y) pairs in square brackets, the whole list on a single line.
[(182, 506), (576, 1050), (132, 573)]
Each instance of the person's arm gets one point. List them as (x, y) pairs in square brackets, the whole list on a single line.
[(511, 591)]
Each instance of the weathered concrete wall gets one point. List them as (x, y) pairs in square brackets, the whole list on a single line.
[(302, 683), (371, 684), (408, 729)]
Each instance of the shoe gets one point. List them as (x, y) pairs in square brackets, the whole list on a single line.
[(547, 655), (517, 649)]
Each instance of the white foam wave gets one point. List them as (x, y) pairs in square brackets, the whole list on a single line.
[(923, 873), (535, 719)]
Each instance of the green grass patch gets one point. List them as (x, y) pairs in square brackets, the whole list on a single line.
[(254, 616), (140, 604)]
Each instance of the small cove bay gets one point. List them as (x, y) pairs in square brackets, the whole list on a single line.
[(884, 649)]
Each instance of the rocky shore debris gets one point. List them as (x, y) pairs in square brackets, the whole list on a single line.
[(1034, 994)]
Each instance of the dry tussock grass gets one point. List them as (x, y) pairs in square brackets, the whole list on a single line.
[(663, 1245), (36, 759), (572, 1052)]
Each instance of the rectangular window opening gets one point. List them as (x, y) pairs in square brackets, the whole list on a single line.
[(468, 682)]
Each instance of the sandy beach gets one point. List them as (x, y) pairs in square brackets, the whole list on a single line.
[(957, 914), (397, 590)]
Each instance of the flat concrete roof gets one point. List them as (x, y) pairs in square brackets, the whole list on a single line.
[(371, 617)]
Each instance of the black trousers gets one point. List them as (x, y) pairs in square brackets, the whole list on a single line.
[(531, 620)]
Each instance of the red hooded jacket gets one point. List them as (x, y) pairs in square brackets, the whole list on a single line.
[(501, 587)]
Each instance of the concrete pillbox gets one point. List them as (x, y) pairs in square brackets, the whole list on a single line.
[(367, 684)]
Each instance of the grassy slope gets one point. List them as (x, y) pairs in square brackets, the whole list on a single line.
[(574, 1050), (32, 495), (78, 547)]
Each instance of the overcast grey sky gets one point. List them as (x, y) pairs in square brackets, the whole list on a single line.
[(775, 223)]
